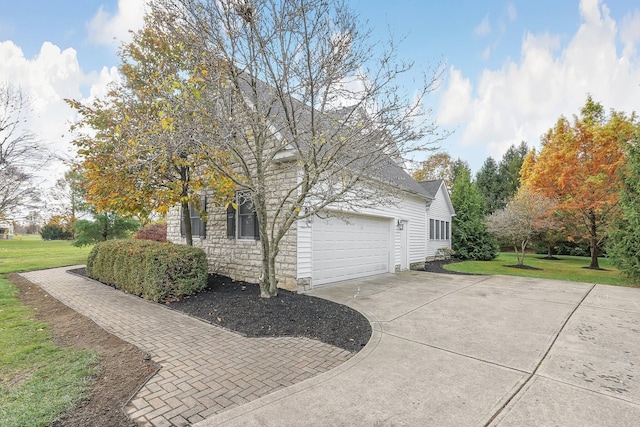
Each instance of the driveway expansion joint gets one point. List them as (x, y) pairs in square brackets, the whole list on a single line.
[(439, 298), (435, 347), (544, 356)]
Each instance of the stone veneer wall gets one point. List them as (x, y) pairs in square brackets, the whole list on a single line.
[(241, 259)]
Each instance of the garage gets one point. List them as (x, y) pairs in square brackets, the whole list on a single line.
[(349, 247)]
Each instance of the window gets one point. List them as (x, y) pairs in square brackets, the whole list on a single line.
[(198, 226), (242, 223), (439, 230), (247, 221), (231, 222)]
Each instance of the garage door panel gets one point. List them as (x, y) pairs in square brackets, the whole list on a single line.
[(345, 250)]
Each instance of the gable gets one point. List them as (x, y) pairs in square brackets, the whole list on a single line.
[(440, 205)]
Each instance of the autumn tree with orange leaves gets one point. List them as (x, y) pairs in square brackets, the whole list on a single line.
[(437, 166), (137, 142), (579, 166)]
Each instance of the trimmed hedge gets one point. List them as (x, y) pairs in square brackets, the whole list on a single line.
[(152, 270)]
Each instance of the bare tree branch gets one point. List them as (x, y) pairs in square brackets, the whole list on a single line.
[(21, 154), (299, 88)]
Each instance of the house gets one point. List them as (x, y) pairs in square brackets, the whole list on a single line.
[(6, 231), (340, 245), (340, 242), (439, 214)]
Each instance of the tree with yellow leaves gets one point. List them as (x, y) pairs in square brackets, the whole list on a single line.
[(137, 144)]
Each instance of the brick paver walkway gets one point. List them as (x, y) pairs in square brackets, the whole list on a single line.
[(205, 369)]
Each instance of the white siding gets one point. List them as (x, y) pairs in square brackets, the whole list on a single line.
[(411, 209), (439, 210), (304, 248), (396, 246)]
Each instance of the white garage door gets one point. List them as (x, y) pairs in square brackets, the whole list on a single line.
[(347, 250)]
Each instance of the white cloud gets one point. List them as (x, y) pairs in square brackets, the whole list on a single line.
[(109, 29), (483, 28), (457, 99), (49, 78), (100, 84), (486, 53), (524, 98), (512, 13), (630, 33)]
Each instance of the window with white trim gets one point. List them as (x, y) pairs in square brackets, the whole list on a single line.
[(439, 230)]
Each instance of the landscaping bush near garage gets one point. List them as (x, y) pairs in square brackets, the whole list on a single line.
[(152, 270)]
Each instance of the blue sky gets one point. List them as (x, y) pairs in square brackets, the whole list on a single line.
[(511, 67)]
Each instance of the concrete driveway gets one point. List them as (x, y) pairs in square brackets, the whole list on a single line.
[(472, 351)]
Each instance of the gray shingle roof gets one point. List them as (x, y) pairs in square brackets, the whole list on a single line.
[(386, 170), (431, 187), (397, 176)]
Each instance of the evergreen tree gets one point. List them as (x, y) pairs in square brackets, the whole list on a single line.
[(459, 166), (470, 238), (488, 183), (509, 171), (623, 244)]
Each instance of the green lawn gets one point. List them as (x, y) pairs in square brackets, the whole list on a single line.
[(31, 253), (569, 268), (38, 380)]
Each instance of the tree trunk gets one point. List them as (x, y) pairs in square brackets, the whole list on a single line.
[(593, 241), (523, 247), (186, 220), (105, 229), (515, 249), (594, 254), (273, 281), (550, 251), (268, 281), (185, 177)]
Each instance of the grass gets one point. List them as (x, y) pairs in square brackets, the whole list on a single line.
[(35, 254), (38, 380), (570, 268)]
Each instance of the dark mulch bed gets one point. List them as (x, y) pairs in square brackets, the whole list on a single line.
[(523, 267), (237, 306), (596, 269), (437, 266)]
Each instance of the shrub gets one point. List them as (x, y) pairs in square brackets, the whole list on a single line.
[(156, 231), (55, 232), (470, 238), (152, 270)]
